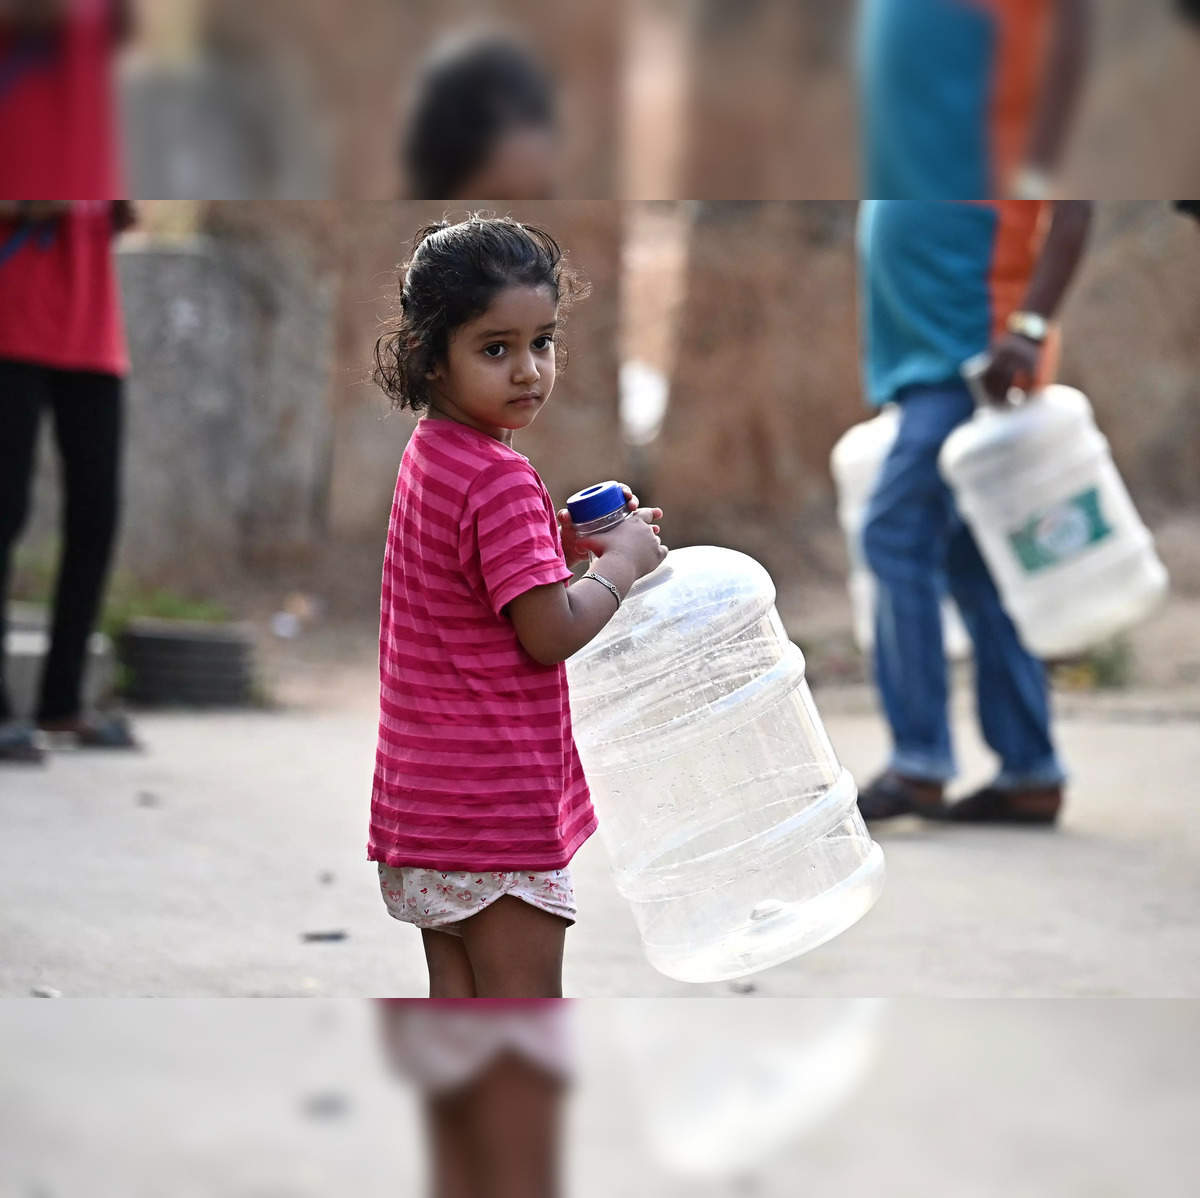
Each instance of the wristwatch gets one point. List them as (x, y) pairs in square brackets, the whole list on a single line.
[(1033, 326)]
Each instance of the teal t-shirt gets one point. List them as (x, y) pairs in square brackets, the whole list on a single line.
[(925, 74), (925, 290)]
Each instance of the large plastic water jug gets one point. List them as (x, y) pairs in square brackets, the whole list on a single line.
[(855, 463), (732, 828), (1072, 559)]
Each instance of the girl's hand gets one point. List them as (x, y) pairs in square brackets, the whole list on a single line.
[(576, 549), (635, 540), (553, 622)]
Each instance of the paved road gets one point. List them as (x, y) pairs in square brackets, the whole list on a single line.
[(196, 869)]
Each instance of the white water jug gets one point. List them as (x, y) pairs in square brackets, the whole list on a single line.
[(732, 828), (1072, 560), (856, 461)]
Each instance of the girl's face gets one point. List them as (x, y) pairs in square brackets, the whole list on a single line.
[(499, 367)]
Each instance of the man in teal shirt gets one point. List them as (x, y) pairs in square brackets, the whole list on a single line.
[(963, 101)]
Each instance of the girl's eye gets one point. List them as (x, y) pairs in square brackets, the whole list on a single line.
[(497, 348), (543, 343)]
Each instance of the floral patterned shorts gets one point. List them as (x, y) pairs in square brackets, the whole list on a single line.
[(439, 900)]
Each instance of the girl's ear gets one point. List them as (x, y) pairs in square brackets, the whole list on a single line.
[(414, 343)]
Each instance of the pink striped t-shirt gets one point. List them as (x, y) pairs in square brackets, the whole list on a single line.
[(476, 766)]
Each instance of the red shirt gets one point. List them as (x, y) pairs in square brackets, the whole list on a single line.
[(57, 109), (476, 766), (59, 303)]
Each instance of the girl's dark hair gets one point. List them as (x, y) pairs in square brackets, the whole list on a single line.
[(454, 274), (472, 93)]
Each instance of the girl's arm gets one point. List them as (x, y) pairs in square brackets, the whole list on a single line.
[(553, 622)]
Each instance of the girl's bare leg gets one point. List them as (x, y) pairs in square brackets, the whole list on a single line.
[(517, 1128), (455, 1167), (515, 950), (450, 973), (500, 1135)]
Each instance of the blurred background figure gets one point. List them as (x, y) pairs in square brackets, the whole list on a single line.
[(57, 106), (942, 283), (484, 123), (968, 99), (961, 100), (494, 1082), (62, 345)]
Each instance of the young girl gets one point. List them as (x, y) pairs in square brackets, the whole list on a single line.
[(479, 801)]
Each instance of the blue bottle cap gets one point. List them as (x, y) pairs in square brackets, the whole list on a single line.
[(596, 502)]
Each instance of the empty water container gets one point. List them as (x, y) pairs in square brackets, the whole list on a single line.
[(1072, 559), (732, 828), (856, 461)]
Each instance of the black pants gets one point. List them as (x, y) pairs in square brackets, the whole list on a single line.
[(87, 411)]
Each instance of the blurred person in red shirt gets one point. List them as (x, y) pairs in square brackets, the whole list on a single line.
[(62, 344)]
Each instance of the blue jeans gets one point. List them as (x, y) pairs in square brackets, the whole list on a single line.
[(918, 546)]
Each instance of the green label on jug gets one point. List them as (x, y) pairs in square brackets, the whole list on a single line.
[(1061, 533)]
